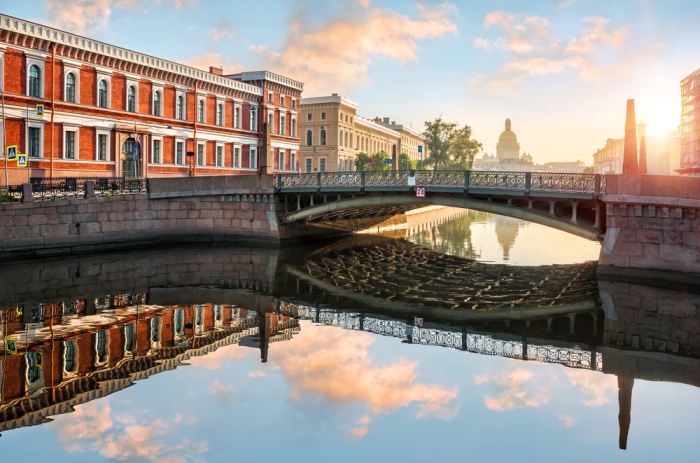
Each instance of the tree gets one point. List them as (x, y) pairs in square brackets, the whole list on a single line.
[(405, 162), (447, 144), (377, 162)]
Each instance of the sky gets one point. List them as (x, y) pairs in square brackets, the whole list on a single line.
[(561, 70)]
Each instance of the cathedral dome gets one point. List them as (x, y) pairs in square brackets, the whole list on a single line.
[(508, 134), (508, 147)]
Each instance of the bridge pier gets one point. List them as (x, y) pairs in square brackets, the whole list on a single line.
[(574, 206)]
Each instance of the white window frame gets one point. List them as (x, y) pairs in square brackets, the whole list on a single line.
[(136, 96), (306, 140), (108, 81), (282, 100), (281, 156), (236, 116), (162, 99), (184, 151), (325, 161), (203, 99), (309, 117), (293, 126), (306, 164), (271, 121), (294, 103), (184, 105), (153, 151), (76, 150), (320, 138), (33, 60), (222, 103), (293, 161), (253, 158), (237, 162), (69, 69), (271, 97), (222, 145), (34, 125), (282, 127), (253, 118), (108, 154), (199, 143)]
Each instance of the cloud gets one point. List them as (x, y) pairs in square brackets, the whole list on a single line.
[(93, 427), (568, 421), (214, 59), (223, 393), (222, 356), (334, 367), (595, 36), (595, 385), (515, 389), (257, 374), (258, 48), (337, 53), (85, 16), (518, 35), (565, 3), (222, 30)]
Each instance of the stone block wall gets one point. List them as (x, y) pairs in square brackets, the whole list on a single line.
[(652, 223)]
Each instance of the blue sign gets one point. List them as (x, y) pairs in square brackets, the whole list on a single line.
[(12, 153), (136, 149), (370, 161), (40, 110), (420, 148), (387, 161), (22, 160)]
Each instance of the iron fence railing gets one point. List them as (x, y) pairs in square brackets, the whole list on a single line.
[(49, 189), (465, 180)]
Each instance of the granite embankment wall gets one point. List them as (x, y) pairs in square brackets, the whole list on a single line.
[(241, 209), (653, 223)]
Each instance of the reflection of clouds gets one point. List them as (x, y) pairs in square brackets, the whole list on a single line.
[(219, 357), (593, 384), (568, 421), (94, 427), (222, 393), (515, 389), (334, 365)]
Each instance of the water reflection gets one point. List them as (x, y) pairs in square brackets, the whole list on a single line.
[(349, 343)]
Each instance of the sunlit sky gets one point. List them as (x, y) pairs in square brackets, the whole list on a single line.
[(560, 70)]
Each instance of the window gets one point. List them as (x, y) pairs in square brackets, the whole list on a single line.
[(34, 81), (236, 155), (200, 111), (131, 100), (270, 124), (237, 118), (309, 138), (102, 97), (102, 147), (219, 156), (294, 103), (200, 155), (293, 161), (253, 120), (323, 116), (270, 97), (281, 160), (322, 165), (156, 104), (179, 109), (34, 142), (220, 114), (309, 117), (294, 127), (70, 145), (253, 159), (281, 100), (70, 88), (323, 137), (156, 151), (309, 163), (178, 153), (68, 356), (282, 125)]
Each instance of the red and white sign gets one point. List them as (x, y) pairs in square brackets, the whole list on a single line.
[(418, 322), (420, 192)]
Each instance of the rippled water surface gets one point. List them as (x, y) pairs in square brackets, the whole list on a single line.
[(476, 338)]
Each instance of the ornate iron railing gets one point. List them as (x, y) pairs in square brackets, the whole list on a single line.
[(459, 180), (11, 193), (68, 188)]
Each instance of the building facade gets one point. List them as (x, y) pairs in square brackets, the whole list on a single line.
[(109, 111), (690, 125), (333, 134), (508, 146), (663, 153)]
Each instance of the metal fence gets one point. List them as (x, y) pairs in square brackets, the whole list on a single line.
[(444, 179), (49, 189)]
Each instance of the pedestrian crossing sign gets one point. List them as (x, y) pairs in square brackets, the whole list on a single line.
[(11, 346), (40, 110), (22, 160), (12, 153)]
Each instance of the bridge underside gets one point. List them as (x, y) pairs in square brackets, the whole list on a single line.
[(581, 217)]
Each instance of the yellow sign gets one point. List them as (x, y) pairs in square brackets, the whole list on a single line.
[(40, 110), (22, 160), (11, 345), (12, 153), (19, 310), (38, 359)]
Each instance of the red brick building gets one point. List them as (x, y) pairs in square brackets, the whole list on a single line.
[(109, 111)]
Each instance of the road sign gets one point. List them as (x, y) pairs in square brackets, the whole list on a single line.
[(370, 161), (38, 359), (40, 110), (387, 161), (11, 345), (418, 322), (22, 160), (12, 153), (420, 192), (420, 148)]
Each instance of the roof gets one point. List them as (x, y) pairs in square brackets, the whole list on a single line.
[(329, 99)]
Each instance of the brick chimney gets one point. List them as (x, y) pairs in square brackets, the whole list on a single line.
[(216, 71), (629, 159)]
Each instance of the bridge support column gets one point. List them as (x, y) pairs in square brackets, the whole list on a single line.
[(596, 225), (551, 207), (529, 203), (572, 317), (549, 325), (574, 207)]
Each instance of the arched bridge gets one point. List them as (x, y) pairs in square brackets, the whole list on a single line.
[(568, 202)]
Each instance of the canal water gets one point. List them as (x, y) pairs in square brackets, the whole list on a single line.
[(474, 338)]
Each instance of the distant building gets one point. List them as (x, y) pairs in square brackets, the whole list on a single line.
[(508, 146), (409, 141), (575, 167), (663, 153), (690, 125), (507, 156)]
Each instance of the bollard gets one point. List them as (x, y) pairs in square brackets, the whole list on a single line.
[(89, 189), (27, 193)]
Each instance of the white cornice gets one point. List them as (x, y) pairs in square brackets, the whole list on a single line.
[(329, 99)]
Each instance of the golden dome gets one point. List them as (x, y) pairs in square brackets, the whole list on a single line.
[(508, 134)]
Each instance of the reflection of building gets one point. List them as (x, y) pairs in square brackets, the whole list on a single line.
[(118, 112), (68, 349), (506, 231), (332, 134), (663, 153), (690, 124)]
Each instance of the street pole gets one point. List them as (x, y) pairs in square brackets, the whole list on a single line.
[(4, 142)]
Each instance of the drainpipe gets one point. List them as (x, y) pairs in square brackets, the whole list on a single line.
[(53, 110)]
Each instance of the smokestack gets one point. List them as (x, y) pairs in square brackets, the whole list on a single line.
[(629, 160), (624, 419), (643, 155)]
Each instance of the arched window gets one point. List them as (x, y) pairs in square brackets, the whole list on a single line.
[(237, 118), (309, 138), (220, 115), (70, 88), (131, 100), (34, 81), (200, 111), (68, 356), (179, 107), (102, 97), (156, 104), (323, 137), (253, 120)]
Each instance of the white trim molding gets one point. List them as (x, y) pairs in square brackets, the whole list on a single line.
[(108, 154)]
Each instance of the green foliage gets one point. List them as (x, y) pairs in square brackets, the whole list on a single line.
[(446, 141), (405, 163), (589, 170), (453, 237), (377, 162)]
